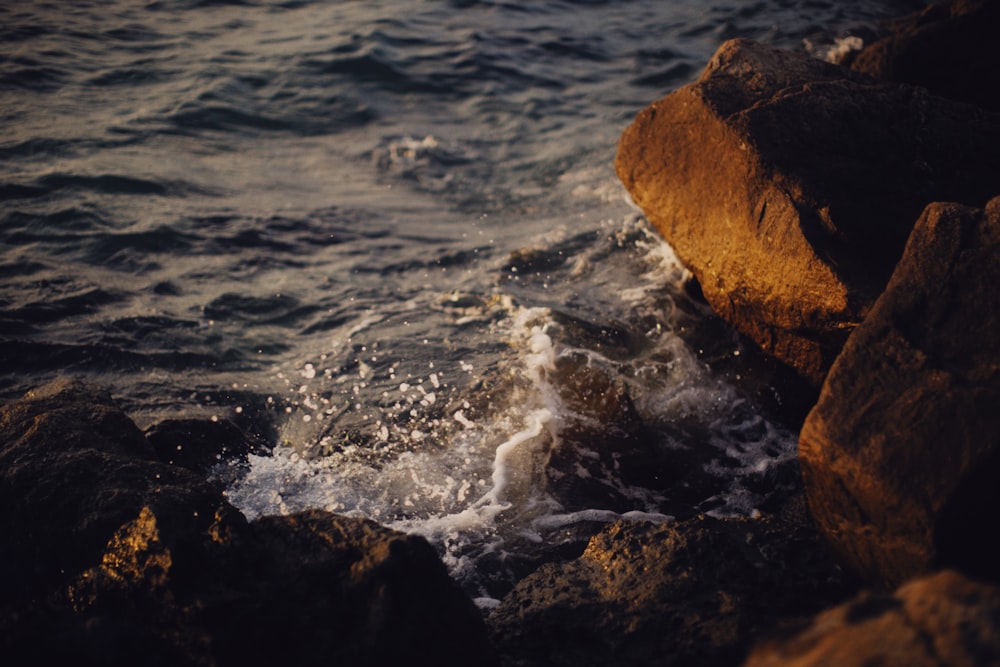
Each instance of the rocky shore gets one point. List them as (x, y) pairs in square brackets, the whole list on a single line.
[(846, 218)]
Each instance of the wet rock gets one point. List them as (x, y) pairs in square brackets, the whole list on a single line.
[(692, 593), (73, 469), (201, 444), (111, 557), (789, 186), (945, 619), (603, 445), (901, 455), (948, 48)]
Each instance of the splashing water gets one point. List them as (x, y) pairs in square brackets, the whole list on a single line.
[(506, 464)]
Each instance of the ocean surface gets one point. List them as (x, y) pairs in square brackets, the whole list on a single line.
[(386, 239)]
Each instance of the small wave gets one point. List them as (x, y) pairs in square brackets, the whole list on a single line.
[(45, 147), (136, 75), (39, 78), (59, 300), (301, 116), (271, 309), (669, 77), (113, 184)]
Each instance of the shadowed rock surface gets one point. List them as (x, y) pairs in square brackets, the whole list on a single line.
[(901, 455), (789, 187), (945, 619), (948, 48), (111, 557)]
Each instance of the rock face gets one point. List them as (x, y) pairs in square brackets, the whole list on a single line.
[(789, 187), (111, 557), (691, 593), (950, 49), (945, 619), (901, 455)]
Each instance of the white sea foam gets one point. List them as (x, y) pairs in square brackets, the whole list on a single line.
[(472, 478)]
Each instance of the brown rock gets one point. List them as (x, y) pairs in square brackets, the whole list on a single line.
[(901, 455), (945, 619), (73, 469), (949, 48), (110, 557), (789, 186), (691, 593)]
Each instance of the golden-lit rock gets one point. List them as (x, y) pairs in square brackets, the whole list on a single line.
[(945, 619), (114, 558), (789, 186), (695, 592), (901, 455)]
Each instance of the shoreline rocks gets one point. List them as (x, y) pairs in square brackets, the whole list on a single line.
[(851, 227), (696, 592), (762, 175), (949, 49), (789, 186), (112, 557), (901, 455), (944, 619)]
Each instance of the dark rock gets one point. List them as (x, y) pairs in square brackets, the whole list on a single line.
[(73, 469), (201, 444), (601, 441), (945, 619), (789, 187), (110, 557), (901, 455), (950, 49), (343, 591), (691, 593)]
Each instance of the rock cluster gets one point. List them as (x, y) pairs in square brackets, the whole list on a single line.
[(901, 455), (848, 220), (111, 556), (944, 619), (807, 200), (696, 592), (948, 48), (789, 186)]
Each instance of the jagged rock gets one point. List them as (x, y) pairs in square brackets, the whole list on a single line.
[(945, 619), (901, 455), (949, 48), (692, 593), (789, 187), (73, 469), (111, 557)]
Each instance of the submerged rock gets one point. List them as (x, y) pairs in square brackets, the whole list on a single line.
[(690, 593), (789, 187), (948, 48), (945, 619), (201, 444), (111, 557), (901, 455)]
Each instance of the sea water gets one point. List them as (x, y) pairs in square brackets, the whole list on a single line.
[(387, 238)]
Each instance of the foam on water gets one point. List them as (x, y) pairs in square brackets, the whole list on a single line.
[(464, 455)]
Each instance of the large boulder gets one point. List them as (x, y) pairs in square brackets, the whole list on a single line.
[(901, 455), (692, 593), (111, 557), (949, 48), (945, 619), (789, 186)]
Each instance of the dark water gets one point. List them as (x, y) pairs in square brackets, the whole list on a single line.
[(387, 237)]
